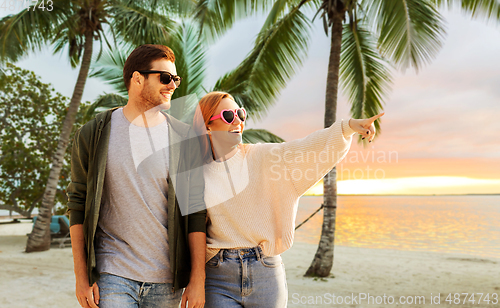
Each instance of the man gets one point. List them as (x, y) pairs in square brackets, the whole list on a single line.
[(132, 244)]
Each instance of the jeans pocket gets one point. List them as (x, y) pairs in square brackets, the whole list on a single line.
[(214, 262), (273, 261)]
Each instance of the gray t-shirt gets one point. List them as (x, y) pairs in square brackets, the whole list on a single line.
[(131, 236)]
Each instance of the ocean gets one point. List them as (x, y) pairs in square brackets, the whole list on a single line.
[(467, 224)]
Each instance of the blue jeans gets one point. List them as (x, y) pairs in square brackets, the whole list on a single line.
[(119, 292), (245, 278)]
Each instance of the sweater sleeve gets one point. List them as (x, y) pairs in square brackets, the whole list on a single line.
[(308, 160), (77, 188)]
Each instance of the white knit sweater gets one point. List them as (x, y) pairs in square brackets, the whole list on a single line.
[(252, 198)]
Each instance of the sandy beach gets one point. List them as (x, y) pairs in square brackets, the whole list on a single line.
[(46, 279)]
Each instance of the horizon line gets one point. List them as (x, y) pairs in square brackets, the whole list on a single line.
[(411, 195)]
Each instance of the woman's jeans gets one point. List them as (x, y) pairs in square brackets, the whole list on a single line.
[(119, 292), (245, 278)]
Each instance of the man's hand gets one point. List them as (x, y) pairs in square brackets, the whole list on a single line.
[(365, 127), (194, 294), (87, 296)]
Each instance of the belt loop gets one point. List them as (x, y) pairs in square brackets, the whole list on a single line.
[(221, 255), (257, 252)]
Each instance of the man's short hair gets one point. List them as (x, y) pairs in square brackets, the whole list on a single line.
[(142, 57)]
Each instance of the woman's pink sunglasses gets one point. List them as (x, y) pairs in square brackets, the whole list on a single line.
[(228, 115)]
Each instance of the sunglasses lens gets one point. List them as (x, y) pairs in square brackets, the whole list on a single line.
[(228, 116), (165, 78), (241, 114), (177, 81)]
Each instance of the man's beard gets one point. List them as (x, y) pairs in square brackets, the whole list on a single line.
[(150, 100)]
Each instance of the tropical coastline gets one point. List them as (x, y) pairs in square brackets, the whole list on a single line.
[(370, 258), (46, 279)]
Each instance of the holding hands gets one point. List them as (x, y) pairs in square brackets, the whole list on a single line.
[(365, 127)]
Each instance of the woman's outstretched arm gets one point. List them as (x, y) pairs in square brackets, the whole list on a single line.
[(307, 160)]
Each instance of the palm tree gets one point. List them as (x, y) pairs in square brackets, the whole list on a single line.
[(367, 37), (73, 26), (255, 83)]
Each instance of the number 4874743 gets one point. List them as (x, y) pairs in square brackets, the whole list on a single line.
[(38, 5)]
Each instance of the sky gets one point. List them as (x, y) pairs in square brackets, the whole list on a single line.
[(440, 128)]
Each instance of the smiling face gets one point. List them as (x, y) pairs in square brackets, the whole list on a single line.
[(153, 92), (219, 125)]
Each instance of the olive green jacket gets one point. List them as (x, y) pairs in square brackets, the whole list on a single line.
[(88, 166)]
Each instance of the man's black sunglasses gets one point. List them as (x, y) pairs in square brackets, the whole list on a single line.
[(165, 77)]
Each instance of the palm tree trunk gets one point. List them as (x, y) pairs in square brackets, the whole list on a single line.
[(323, 260), (39, 239)]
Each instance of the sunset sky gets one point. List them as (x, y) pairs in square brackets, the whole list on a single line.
[(440, 129)]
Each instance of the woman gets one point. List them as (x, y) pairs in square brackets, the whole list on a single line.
[(252, 193)]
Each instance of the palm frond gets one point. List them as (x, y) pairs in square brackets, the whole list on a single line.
[(190, 61), (365, 77), (278, 51), (138, 25), (277, 11), (410, 31), (479, 9), (260, 136), (67, 39), (310, 4), (281, 7), (215, 17), (184, 108), (27, 31), (79, 18), (104, 102), (109, 68), (180, 8), (489, 9)]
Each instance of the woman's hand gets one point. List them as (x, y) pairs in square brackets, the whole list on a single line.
[(365, 127)]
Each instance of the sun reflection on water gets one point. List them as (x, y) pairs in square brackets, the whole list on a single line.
[(453, 224)]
